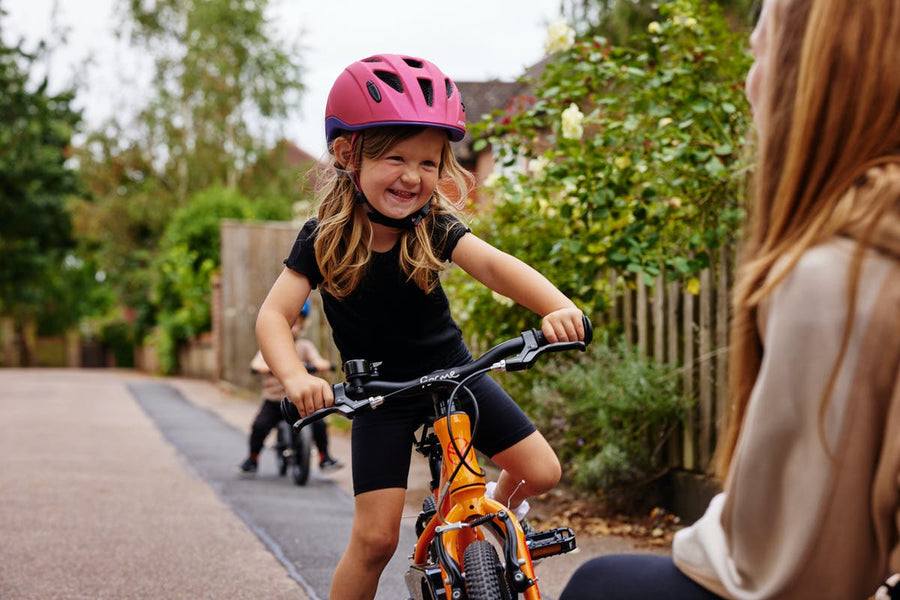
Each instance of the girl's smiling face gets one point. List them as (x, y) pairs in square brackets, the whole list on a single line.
[(402, 180)]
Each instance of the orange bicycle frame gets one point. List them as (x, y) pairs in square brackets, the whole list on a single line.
[(463, 503)]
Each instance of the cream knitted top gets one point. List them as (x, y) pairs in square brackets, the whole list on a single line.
[(793, 521)]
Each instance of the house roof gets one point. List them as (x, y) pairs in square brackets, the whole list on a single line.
[(481, 98), (295, 156)]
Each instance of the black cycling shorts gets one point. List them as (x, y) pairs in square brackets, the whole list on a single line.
[(382, 438)]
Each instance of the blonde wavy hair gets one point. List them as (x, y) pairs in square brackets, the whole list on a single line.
[(344, 232), (827, 160)]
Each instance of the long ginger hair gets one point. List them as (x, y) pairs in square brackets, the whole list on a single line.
[(344, 232), (828, 160)]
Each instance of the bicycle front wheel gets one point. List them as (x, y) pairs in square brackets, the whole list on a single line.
[(302, 450), (484, 573)]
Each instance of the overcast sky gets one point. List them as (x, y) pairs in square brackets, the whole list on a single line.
[(470, 40)]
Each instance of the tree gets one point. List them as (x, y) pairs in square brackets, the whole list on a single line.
[(221, 77), (36, 129), (223, 86)]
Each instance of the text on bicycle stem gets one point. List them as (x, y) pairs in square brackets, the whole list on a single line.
[(441, 377)]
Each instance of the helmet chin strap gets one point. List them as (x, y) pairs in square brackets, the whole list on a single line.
[(408, 222)]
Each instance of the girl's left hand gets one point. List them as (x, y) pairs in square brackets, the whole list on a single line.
[(564, 325)]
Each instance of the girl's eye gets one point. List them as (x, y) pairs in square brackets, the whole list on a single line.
[(395, 158), (429, 164)]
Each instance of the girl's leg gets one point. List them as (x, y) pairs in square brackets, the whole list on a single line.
[(373, 540), (320, 437), (531, 460), (633, 576)]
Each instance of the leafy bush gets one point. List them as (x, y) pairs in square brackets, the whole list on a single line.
[(626, 158), (196, 224), (609, 416), (189, 255)]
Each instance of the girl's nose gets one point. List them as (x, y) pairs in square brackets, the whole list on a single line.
[(410, 177)]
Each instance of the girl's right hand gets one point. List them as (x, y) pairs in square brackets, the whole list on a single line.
[(308, 393)]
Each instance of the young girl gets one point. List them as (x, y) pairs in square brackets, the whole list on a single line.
[(385, 229), (811, 503)]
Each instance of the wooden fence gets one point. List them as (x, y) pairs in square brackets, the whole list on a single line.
[(671, 325), (252, 255)]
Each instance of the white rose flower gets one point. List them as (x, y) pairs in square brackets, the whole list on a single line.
[(491, 180), (664, 121), (560, 37), (572, 120), (654, 27), (538, 167)]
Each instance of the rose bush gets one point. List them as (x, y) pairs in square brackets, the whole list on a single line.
[(628, 158)]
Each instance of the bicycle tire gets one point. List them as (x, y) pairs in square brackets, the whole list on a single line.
[(484, 574), (429, 508), (281, 448), (302, 443)]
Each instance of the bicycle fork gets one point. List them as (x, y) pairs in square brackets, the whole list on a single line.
[(462, 512)]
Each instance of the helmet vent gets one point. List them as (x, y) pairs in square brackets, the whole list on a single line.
[(391, 79), (427, 91), (448, 85), (415, 64), (373, 91)]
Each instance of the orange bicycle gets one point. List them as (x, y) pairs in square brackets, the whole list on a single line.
[(456, 553)]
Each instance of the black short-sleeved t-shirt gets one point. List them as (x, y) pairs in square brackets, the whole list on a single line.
[(386, 318)]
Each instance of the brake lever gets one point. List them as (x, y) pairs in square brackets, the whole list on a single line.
[(536, 344), (529, 354), (343, 405)]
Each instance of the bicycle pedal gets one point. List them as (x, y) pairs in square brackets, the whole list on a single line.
[(551, 542)]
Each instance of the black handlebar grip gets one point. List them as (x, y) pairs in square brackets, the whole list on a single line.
[(588, 332)]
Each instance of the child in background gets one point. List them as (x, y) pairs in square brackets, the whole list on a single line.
[(386, 227), (272, 392)]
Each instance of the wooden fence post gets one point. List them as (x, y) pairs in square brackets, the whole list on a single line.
[(705, 383), (687, 320), (723, 406)]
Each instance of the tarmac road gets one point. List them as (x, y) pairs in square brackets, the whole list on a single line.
[(114, 484)]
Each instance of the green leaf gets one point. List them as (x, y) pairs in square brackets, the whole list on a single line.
[(723, 149)]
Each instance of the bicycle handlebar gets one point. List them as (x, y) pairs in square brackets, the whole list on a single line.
[(364, 390)]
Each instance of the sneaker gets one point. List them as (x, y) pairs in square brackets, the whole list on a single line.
[(248, 467), (326, 465), (519, 511)]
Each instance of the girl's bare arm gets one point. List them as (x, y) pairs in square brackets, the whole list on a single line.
[(273, 332), (511, 277)]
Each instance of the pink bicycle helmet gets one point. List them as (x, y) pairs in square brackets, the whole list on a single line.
[(391, 89)]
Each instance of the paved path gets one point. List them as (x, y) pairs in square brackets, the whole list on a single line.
[(94, 503), (114, 484)]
